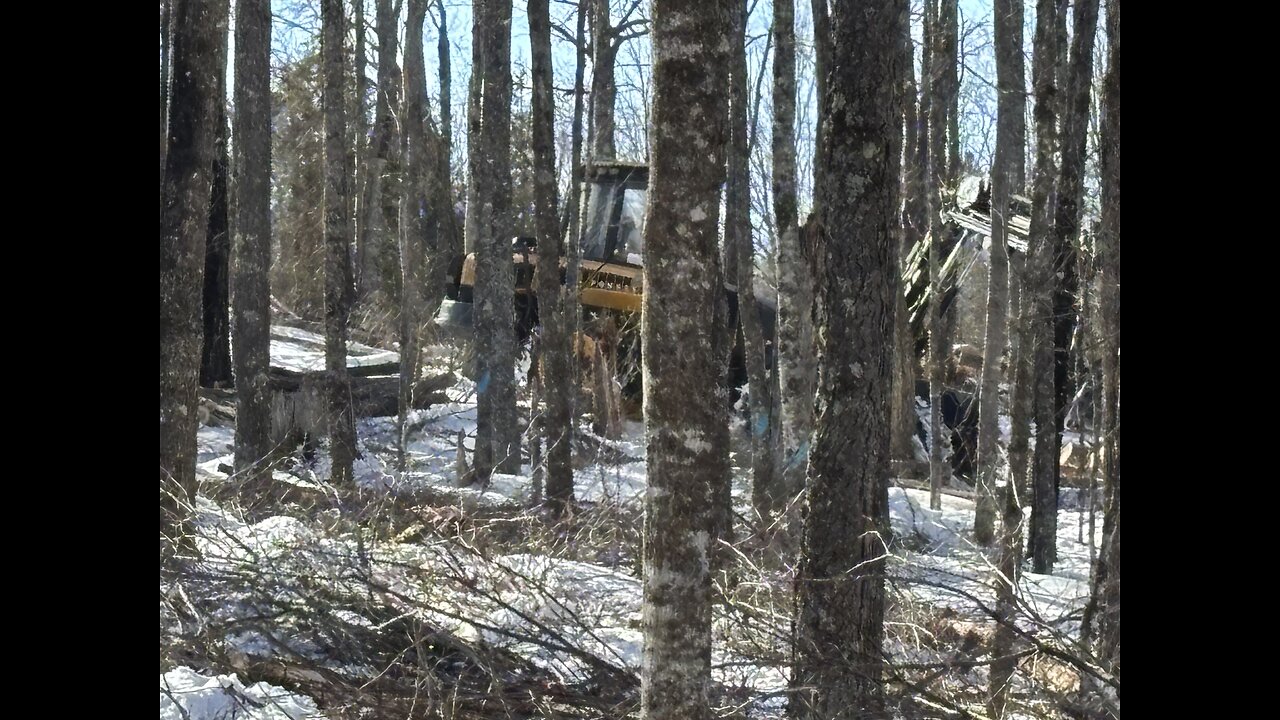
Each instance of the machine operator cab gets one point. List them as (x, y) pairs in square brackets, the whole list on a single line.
[(611, 250)]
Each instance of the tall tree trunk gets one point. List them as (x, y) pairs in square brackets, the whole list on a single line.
[(1109, 568), (604, 87), (497, 431), (915, 226), (359, 148), (903, 405), (417, 223), (166, 20), (372, 227), (1009, 102), (822, 68), (1021, 395), (935, 90), (840, 625), (472, 221), (1011, 107), (573, 245), (1044, 507), (554, 347), (719, 469), (1070, 193), (446, 83), (252, 243), (797, 368), (682, 405), (948, 89), (765, 493), (215, 350), (337, 240), (573, 212), (199, 27), (450, 239), (948, 37)]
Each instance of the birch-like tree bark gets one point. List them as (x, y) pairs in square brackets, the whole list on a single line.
[(840, 583), (251, 250), (682, 368)]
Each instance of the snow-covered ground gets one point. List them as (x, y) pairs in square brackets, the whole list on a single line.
[(563, 616), (188, 695)]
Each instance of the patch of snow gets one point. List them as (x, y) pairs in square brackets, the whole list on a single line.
[(187, 695)]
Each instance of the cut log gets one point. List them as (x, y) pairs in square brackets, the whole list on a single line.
[(298, 403), (215, 409)]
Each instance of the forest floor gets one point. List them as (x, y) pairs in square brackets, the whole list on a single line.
[(416, 597)]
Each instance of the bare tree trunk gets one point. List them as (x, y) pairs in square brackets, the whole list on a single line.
[(198, 29), (359, 144), (1109, 571), (948, 37), (765, 493), (554, 347), (840, 625), (472, 221), (372, 226), (1044, 508), (572, 310), (450, 240), (604, 88), (797, 367), (497, 432), (1011, 108), (915, 226), (252, 243), (903, 406), (1021, 395), (446, 84), (215, 350), (682, 368), (946, 147), (417, 225), (166, 60), (1010, 103), (935, 90), (337, 229), (1070, 193), (822, 67)]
